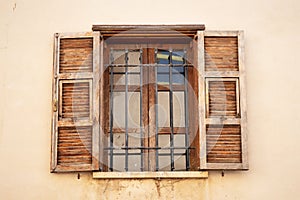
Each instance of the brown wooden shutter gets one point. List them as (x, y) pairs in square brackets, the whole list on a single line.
[(222, 103), (75, 120)]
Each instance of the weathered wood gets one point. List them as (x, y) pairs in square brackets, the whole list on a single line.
[(225, 102), (75, 99), (74, 143), (243, 100), (221, 33), (221, 74), (76, 55), (222, 135), (222, 97), (95, 101), (152, 114), (225, 166), (221, 53), (70, 122), (202, 98), (73, 168), (193, 108), (145, 109), (75, 124), (104, 108), (114, 29), (222, 120), (53, 163)]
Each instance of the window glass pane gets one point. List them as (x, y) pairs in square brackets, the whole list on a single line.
[(134, 58), (133, 109), (164, 163), (117, 69), (119, 163), (177, 57), (178, 69), (178, 109), (163, 69), (163, 57), (179, 162), (118, 56), (178, 78), (164, 141), (134, 140), (119, 142), (163, 79), (163, 109), (119, 109), (134, 163), (133, 79), (119, 79)]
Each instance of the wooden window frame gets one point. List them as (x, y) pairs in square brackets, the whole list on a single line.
[(149, 100)]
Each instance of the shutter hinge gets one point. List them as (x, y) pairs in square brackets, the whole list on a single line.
[(55, 105)]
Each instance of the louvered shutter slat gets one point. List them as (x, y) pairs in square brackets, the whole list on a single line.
[(76, 55)]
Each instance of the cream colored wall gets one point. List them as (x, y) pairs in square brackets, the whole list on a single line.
[(272, 50)]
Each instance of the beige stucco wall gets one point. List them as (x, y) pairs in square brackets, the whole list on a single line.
[(272, 50)]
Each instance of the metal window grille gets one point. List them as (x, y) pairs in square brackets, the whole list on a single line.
[(171, 71)]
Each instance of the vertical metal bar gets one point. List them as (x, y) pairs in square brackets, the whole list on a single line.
[(111, 137), (141, 110), (187, 141), (126, 110), (156, 115), (171, 109)]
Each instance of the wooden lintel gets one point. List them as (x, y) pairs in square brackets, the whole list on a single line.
[(189, 30), (119, 28)]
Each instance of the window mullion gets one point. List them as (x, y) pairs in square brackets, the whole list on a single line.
[(156, 114), (171, 109), (111, 136), (126, 110), (152, 113), (141, 110), (186, 105)]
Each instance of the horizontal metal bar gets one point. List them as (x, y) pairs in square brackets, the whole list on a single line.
[(149, 65), (126, 154), (136, 88), (176, 73), (133, 148), (174, 154), (138, 73), (124, 148)]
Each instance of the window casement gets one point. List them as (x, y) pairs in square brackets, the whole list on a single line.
[(149, 99)]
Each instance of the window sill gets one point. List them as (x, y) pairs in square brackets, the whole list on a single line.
[(127, 175)]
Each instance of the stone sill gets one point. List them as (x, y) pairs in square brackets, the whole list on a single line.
[(156, 175)]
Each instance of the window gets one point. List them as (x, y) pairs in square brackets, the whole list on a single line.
[(149, 98)]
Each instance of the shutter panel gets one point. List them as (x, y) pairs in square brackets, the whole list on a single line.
[(75, 120), (222, 103)]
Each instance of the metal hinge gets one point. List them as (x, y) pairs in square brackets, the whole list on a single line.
[(55, 105)]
